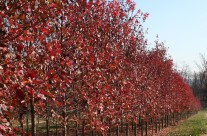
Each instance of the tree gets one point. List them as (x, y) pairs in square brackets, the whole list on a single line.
[(199, 83), (83, 61)]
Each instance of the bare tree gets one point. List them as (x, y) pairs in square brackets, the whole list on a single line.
[(199, 81), (186, 73)]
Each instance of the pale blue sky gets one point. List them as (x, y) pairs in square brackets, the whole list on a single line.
[(182, 24)]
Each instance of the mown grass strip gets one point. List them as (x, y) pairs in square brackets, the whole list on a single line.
[(194, 126)]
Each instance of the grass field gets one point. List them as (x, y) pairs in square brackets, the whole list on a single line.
[(194, 126)]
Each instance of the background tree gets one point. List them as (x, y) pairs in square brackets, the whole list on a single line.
[(199, 83)]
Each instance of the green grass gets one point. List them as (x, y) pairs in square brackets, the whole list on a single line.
[(194, 126)]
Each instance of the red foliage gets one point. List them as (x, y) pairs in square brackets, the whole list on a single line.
[(86, 57)]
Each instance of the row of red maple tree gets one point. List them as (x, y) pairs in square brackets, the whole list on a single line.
[(84, 60)]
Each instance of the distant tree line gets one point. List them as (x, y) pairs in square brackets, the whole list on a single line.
[(197, 80)]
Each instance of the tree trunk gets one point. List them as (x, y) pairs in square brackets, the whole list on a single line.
[(64, 116), (127, 129), (142, 131), (47, 117), (33, 127), (117, 131), (83, 128), (56, 127), (121, 126), (27, 120), (21, 123), (135, 129), (146, 128)]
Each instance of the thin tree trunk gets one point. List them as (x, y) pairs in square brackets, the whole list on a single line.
[(109, 131), (159, 123), (152, 126), (76, 130), (64, 116), (38, 123), (121, 126), (83, 128), (146, 128), (142, 131), (117, 131), (56, 128), (27, 120), (47, 118), (127, 129), (21, 123), (156, 126), (33, 127), (135, 129)]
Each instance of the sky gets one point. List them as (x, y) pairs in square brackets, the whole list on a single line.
[(181, 24)]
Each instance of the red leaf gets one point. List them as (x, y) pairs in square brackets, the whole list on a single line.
[(41, 96), (46, 93), (44, 30), (14, 102), (20, 47), (2, 128), (59, 103), (53, 5), (90, 48), (3, 106), (31, 73), (31, 92), (20, 94), (91, 60), (68, 63), (36, 82)]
